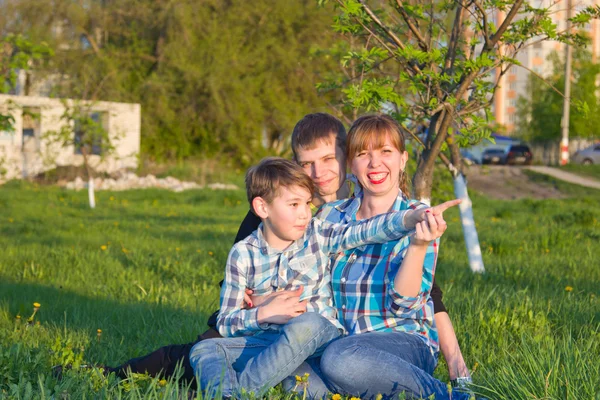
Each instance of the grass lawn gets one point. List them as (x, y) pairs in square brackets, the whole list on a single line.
[(144, 268)]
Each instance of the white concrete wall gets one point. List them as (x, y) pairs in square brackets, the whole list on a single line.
[(124, 127)]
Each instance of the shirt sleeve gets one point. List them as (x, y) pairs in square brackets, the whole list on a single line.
[(437, 297), (232, 319), (405, 306), (383, 228)]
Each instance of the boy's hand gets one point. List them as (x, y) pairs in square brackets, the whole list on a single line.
[(413, 217), (280, 307)]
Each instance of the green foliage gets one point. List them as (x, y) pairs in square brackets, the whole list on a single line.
[(214, 78), (540, 115), (437, 65)]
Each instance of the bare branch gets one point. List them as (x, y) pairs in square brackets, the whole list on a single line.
[(387, 30), (505, 24), (454, 37), (421, 40), (486, 33)]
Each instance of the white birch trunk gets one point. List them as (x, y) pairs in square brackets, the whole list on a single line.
[(91, 196), (468, 223)]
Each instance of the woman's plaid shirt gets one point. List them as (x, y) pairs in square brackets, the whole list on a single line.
[(252, 263), (363, 280)]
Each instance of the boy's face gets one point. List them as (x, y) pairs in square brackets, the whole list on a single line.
[(325, 164), (286, 218)]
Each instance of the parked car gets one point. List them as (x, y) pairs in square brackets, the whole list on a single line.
[(493, 156), (590, 155), (518, 154)]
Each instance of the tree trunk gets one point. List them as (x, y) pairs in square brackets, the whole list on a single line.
[(91, 194), (468, 223), (422, 181)]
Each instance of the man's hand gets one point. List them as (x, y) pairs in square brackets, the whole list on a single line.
[(413, 217), (280, 307)]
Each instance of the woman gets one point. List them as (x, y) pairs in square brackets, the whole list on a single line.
[(382, 292)]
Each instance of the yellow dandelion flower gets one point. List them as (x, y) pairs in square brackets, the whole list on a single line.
[(99, 331), (124, 250), (147, 226), (354, 398), (210, 253), (11, 220), (112, 198), (37, 323), (162, 382), (336, 396), (116, 223), (198, 251), (103, 247), (18, 317), (569, 288), (379, 396), (36, 305), (177, 249), (298, 379)]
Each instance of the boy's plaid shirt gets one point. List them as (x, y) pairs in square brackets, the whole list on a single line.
[(252, 263), (363, 280)]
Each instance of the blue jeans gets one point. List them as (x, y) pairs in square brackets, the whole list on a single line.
[(257, 363), (386, 363)]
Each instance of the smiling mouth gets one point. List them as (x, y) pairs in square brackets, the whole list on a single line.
[(377, 178), (324, 183)]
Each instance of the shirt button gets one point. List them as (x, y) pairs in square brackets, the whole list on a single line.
[(343, 280)]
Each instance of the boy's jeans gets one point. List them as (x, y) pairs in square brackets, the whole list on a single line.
[(257, 363)]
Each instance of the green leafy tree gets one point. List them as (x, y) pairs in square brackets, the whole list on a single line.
[(540, 113), (436, 65), (82, 130)]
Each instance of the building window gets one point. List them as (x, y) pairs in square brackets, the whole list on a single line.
[(513, 85), (93, 126)]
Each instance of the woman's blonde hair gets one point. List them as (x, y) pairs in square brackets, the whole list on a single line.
[(371, 131)]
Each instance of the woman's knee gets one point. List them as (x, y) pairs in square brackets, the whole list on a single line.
[(201, 350)]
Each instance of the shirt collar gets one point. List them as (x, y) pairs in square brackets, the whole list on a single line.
[(351, 208), (257, 239)]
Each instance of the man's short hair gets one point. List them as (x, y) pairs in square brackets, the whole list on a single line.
[(317, 127), (272, 173)]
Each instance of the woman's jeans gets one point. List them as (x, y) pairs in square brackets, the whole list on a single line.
[(257, 363), (386, 363)]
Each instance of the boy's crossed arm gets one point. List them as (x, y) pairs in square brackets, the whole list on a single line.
[(276, 308)]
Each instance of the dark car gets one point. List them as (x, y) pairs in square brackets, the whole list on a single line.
[(493, 156), (518, 154)]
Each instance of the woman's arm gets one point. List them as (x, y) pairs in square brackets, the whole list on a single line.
[(449, 347)]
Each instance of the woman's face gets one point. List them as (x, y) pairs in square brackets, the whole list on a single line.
[(378, 170)]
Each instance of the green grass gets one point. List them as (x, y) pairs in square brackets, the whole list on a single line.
[(523, 334), (593, 171)]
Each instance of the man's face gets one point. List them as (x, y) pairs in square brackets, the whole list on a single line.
[(325, 164)]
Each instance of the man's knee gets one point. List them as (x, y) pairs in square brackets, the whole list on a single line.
[(309, 324)]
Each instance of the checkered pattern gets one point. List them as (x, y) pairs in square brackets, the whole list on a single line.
[(363, 280), (252, 263)]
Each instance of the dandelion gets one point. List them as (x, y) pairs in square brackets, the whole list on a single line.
[(124, 250), (99, 334), (198, 251), (11, 220), (36, 306), (37, 323), (569, 289), (547, 250), (103, 247), (112, 198), (116, 223), (336, 396), (354, 398), (162, 382), (379, 396), (177, 249), (298, 379), (147, 226), (210, 253), (18, 318)]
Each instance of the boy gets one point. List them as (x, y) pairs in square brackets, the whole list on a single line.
[(289, 251)]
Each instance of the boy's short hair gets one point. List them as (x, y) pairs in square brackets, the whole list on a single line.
[(316, 127), (270, 174)]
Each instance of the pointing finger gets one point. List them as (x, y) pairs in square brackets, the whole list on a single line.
[(444, 206)]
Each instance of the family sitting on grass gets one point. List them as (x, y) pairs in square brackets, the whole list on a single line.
[(347, 297)]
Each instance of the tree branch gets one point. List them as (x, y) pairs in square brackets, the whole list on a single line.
[(387, 30), (505, 24), (422, 42)]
